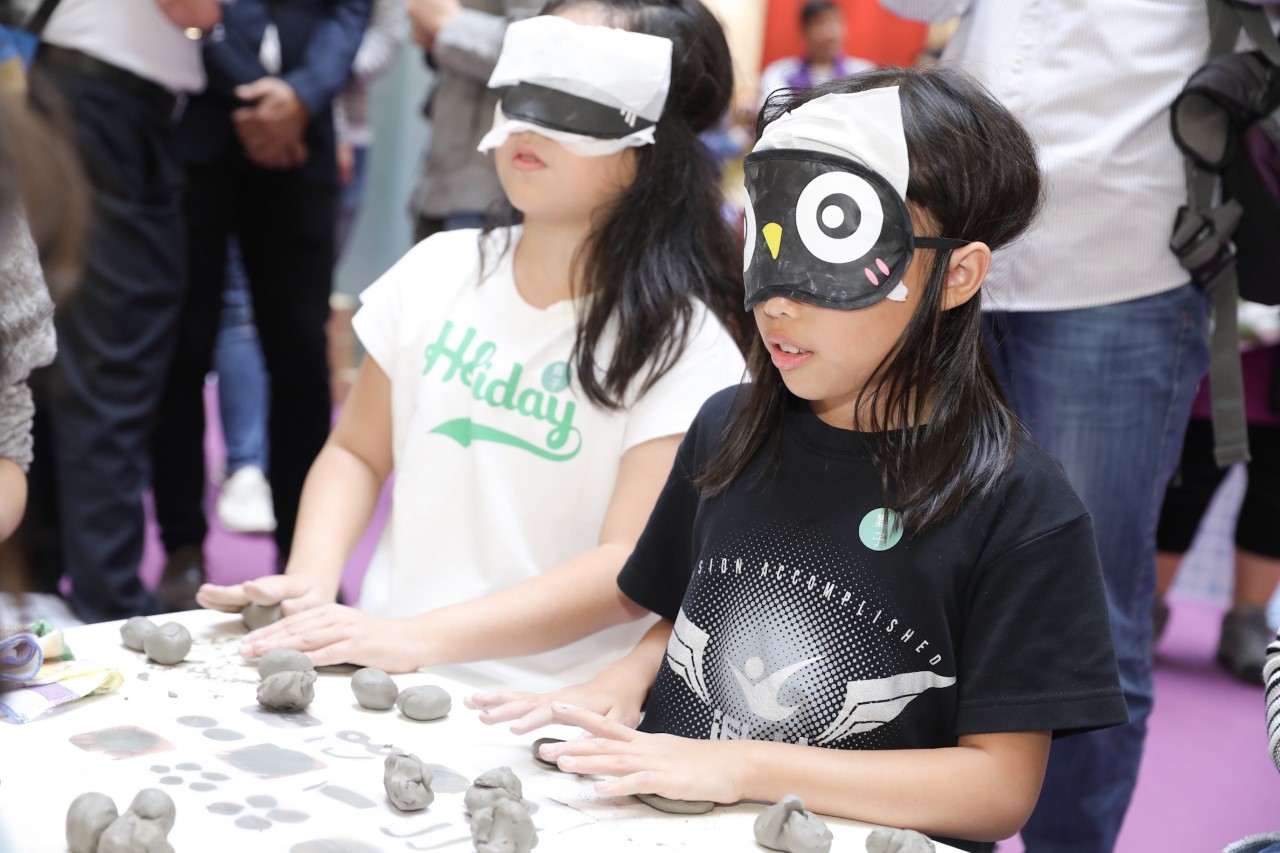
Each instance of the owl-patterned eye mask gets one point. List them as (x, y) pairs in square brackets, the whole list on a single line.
[(823, 228)]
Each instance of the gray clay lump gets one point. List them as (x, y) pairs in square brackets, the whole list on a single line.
[(168, 644), (504, 827), (665, 804), (407, 782), (257, 616), (287, 691), (94, 827), (136, 630), (886, 840), (424, 703), (89, 814), (491, 786), (788, 827), (283, 660), (374, 689)]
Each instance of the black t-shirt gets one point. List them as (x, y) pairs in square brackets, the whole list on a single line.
[(803, 615)]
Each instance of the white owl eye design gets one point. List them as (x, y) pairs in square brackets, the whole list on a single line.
[(838, 217), (749, 234)]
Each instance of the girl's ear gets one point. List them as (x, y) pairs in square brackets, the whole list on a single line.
[(966, 271)]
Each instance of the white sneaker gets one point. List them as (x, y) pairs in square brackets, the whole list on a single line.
[(244, 504)]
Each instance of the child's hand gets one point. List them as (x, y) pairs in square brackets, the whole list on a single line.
[(334, 633), (673, 767), (617, 702), (294, 593)]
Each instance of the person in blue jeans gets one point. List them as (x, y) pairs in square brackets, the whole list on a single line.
[(1098, 337)]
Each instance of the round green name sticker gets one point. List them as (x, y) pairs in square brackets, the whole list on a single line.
[(556, 377), (880, 529)]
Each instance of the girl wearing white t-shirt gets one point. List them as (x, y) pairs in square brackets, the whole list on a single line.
[(530, 393)]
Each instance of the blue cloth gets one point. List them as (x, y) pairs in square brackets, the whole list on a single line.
[(242, 375), (318, 41), (1107, 391)]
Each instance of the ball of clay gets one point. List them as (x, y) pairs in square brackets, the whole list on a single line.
[(407, 782), (504, 827), (788, 827), (257, 616), (132, 834), (886, 840), (537, 755), (168, 644), (154, 804), (424, 703), (497, 784), (374, 689), (283, 660), (88, 816), (287, 691), (665, 804), (135, 631)]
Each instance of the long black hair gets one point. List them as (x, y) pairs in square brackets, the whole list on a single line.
[(664, 242), (974, 177)]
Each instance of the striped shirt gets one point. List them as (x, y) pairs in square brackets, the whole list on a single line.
[(1271, 676), (1092, 80)]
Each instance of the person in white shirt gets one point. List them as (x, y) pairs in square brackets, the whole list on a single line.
[(1098, 335), (823, 26), (122, 70), (530, 392)]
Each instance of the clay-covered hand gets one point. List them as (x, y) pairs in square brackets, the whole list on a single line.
[(335, 634), (674, 767), (294, 593), (614, 698)]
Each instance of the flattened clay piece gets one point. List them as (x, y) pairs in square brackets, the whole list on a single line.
[(132, 834), (287, 691), (155, 805), (669, 806), (407, 782), (135, 630), (89, 814), (492, 786), (886, 840), (504, 827), (788, 827), (283, 660), (257, 616), (168, 644), (374, 689), (537, 755), (424, 703)]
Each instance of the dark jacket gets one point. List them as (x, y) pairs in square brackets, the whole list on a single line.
[(318, 41)]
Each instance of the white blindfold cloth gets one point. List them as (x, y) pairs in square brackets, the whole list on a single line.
[(595, 90), (826, 218)]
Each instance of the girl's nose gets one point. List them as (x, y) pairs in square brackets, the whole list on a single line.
[(781, 306)]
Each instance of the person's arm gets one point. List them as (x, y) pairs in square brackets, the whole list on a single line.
[(381, 42), (929, 11), (617, 692), (568, 602), (464, 41), (13, 497), (338, 499), (201, 14), (331, 49), (982, 789)]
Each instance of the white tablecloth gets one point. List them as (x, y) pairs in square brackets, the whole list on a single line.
[(247, 780)]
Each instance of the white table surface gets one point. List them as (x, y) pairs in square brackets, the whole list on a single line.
[(246, 780)]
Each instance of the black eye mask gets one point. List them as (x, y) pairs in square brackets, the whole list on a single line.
[(569, 113), (825, 230)]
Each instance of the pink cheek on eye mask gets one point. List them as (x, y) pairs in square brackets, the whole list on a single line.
[(884, 269)]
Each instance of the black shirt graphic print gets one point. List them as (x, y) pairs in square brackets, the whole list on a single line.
[(803, 615)]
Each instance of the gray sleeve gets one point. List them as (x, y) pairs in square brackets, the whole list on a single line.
[(26, 339), (381, 42), (471, 43), (929, 11)]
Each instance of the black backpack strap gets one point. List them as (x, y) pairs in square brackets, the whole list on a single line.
[(36, 24)]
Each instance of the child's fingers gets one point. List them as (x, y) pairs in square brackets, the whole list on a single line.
[(512, 710), (480, 701), (641, 782), (273, 589), (334, 653), (228, 599), (591, 722), (305, 631), (539, 717), (607, 764)]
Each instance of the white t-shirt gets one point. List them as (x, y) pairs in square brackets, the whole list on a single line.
[(130, 34), (503, 468)]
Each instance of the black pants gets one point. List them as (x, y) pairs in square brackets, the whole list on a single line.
[(285, 227), (97, 402)]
